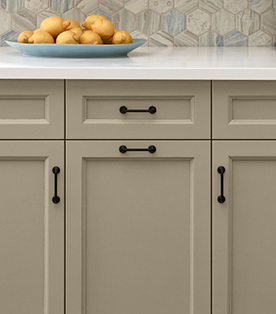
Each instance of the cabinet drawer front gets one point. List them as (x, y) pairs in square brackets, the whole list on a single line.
[(182, 109), (31, 109), (138, 227), (244, 110)]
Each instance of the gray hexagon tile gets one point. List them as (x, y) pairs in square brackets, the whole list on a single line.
[(198, 22), (211, 39), (160, 6), (124, 20), (260, 39), (148, 22), (235, 39), (62, 5), (12, 5), (135, 6), (247, 22), (5, 21), (211, 6), (24, 20), (111, 6), (223, 22), (235, 6), (44, 14), (101, 12), (74, 14), (268, 22), (87, 6), (173, 22), (260, 6), (186, 6), (10, 35), (161, 39), (186, 39), (36, 5), (138, 35)]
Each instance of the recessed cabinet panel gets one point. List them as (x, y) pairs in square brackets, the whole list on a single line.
[(94, 109), (138, 228), (244, 109), (31, 228), (31, 109), (244, 231)]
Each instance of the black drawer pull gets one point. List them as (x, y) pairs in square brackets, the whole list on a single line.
[(151, 110), (151, 149), (56, 171), (221, 198)]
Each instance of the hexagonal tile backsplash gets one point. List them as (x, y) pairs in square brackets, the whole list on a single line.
[(163, 23)]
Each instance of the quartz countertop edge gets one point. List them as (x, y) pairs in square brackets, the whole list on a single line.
[(148, 63)]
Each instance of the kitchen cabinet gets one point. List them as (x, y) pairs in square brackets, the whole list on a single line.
[(244, 234), (138, 224), (138, 227), (31, 228)]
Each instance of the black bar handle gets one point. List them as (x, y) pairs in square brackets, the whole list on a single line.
[(124, 110), (221, 198), (56, 198), (151, 149)]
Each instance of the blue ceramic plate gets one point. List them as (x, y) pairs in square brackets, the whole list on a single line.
[(75, 51)]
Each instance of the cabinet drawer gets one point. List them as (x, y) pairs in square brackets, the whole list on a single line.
[(31, 109), (182, 109), (244, 110)]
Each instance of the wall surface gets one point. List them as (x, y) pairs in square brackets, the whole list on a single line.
[(161, 22)]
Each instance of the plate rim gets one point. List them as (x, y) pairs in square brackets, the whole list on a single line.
[(139, 40)]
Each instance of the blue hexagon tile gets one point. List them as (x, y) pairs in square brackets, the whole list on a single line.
[(12, 5), (161, 22), (61, 6), (173, 22), (235, 39), (11, 35)]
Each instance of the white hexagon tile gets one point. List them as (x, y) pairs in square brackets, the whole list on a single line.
[(161, 22)]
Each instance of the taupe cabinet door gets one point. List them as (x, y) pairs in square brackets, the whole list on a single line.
[(182, 109), (31, 228), (138, 227), (244, 232), (244, 109), (31, 109)]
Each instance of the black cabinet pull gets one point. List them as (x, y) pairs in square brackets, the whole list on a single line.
[(56, 198), (221, 198), (151, 110), (151, 149)]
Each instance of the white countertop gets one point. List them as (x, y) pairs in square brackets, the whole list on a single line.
[(185, 63)]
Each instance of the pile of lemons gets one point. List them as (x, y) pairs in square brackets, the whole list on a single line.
[(97, 30)]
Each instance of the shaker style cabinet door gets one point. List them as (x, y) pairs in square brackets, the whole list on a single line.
[(138, 227), (31, 228), (244, 109), (31, 109), (244, 233), (138, 109)]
